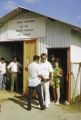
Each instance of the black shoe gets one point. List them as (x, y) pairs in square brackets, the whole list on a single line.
[(43, 108), (29, 109)]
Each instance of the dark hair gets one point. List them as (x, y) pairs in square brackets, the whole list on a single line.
[(35, 57), (57, 60), (2, 58), (14, 57), (43, 54), (52, 58)]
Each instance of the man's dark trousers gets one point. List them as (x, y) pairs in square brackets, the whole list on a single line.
[(39, 93)]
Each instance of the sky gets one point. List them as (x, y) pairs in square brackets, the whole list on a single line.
[(68, 11)]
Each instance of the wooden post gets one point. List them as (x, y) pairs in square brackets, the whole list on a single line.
[(30, 49)]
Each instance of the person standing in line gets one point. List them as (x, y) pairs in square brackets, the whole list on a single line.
[(52, 91), (52, 60), (34, 82), (46, 72), (2, 73), (57, 77), (14, 68)]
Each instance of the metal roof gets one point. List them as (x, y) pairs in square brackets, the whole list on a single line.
[(19, 10)]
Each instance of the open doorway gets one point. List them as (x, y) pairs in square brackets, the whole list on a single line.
[(8, 50), (61, 54)]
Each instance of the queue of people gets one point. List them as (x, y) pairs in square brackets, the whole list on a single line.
[(13, 68), (40, 73)]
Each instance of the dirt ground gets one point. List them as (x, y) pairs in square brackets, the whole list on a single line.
[(13, 107)]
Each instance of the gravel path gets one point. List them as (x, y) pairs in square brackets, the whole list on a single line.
[(13, 107)]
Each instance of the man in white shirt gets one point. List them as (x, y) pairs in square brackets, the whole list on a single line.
[(2, 73), (14, 69), (34, 82), (46, 72)]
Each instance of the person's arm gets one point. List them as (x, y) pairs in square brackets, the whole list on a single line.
[(51, 75), (9, 68), (60, 73), (42, 78), (50, 72)]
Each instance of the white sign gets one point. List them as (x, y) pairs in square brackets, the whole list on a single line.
[(26, 28)]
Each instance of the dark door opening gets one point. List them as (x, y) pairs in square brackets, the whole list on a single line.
[(8, 51), (18, 47), (61, 54)]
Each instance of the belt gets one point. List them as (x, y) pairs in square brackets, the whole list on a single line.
[(45, 80), (14, 72)]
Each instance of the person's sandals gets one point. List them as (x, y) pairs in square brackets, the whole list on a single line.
[(57, 103)]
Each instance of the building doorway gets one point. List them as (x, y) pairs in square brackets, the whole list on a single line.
[(8, 50), (62, 55)]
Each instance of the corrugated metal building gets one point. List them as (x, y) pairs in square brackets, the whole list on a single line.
[(25, 33)]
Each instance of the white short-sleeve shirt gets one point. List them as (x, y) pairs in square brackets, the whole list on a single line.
[(33, 72), (45, 69), (2, 68), (14, 66)]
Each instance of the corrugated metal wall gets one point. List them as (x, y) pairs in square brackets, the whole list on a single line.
[(59, 35)]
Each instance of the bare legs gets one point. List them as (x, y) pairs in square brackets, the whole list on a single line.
[(58, 95)]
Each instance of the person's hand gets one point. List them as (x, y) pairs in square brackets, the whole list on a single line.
[(43, 79), (59, 74)]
